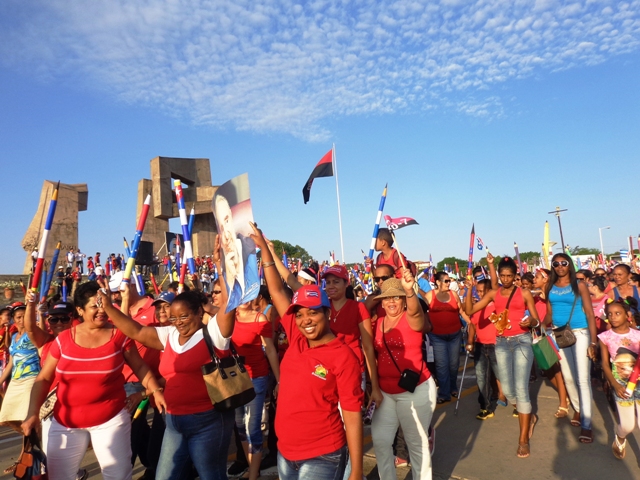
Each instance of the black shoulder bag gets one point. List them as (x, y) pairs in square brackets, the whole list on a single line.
[(408, 378)]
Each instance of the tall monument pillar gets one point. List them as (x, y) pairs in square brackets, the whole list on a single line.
[(72, 198), (195, 174)]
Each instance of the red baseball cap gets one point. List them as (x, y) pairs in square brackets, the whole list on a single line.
[(339, 271), (309, 296)]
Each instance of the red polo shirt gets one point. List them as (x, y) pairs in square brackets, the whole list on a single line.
[(312, 383)]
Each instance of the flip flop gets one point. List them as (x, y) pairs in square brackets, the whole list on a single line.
[(532, 424), (523, 450), (619, 449), (502, 403)]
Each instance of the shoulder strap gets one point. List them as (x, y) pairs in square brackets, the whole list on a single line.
[(209, 343), (575, 300), (390, 355), (513, 292)]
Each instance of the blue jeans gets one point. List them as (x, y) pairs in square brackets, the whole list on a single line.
[(446, 351), (514, 356), (202, 437), (325, 467), (249, 416), (576, 370), (485, 361)]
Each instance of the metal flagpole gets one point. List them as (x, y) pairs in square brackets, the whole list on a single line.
[(335, 169)]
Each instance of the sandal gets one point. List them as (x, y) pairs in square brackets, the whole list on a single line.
[(575, 422), (11, 468), (586, 437), (532, 424), (523, 450), (562, 412), (619, 449), (454, 394), (440, 401)]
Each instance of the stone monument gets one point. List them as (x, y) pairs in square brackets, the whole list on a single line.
[(71, 200), (195, 174)]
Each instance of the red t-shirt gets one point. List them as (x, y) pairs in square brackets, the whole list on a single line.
[(516, 311), (393, 261), (145, 316), (406, 346), (485, 330), (185, 391), (312, 383), (345, 324), (91, 384), (445, 316), (541, 308), (246, 339), (4, 351)]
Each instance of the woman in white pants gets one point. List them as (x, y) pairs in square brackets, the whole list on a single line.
[(409, 392)]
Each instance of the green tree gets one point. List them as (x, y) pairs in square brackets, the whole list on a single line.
[(578, 250), (451, 261), (293, 251)]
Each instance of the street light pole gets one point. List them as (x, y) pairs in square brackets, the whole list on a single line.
[(601, 244), (556, 212)]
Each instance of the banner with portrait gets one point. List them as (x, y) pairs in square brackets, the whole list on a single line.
[(232, 211)]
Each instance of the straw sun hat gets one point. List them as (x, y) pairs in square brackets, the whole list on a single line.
[(391, 287)]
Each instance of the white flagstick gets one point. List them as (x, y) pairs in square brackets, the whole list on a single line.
[(335, 170)]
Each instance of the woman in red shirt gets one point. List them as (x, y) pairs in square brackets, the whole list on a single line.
[(87, 362), (445, 310), (195, 430), (513, 345), (407, 402), (318, 372), (251, 333)]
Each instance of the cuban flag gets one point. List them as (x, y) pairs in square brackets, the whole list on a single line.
[(480, 243)]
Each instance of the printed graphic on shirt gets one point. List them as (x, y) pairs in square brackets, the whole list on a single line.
[(320, 372), (623, 364)]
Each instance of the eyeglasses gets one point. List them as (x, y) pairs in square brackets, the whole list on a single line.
[(54, 320), (382, 278), (564, 263), (183, 318), (217, 292), (396, 299)]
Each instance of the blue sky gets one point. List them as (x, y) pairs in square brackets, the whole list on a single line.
[(490, 112)]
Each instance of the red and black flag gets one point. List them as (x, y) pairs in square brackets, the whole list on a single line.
[(324, 168), (397, 223)]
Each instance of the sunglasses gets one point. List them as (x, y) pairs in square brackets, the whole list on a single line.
[(217, 292), (447, 281), (54, 320), (382, 278), (564, 263)]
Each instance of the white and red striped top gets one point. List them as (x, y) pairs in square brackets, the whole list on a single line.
[(91, 383)]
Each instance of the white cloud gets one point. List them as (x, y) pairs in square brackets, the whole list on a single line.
[(283, 66)]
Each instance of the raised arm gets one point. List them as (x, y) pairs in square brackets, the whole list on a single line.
[(480, 304), (226, 320), (415, 315), (492, 271), (36, 334), (147, 336), (284, 272), (276, 289)]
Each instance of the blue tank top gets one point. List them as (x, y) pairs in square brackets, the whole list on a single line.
[(561, 299), (636, 295)]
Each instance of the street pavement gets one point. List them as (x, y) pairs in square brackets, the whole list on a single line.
[(470, 449)]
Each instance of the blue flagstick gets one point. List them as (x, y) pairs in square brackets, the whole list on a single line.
[(192, 219), (52, 271), (377, 225)]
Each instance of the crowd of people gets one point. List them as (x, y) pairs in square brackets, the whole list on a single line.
[(322, 352)]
